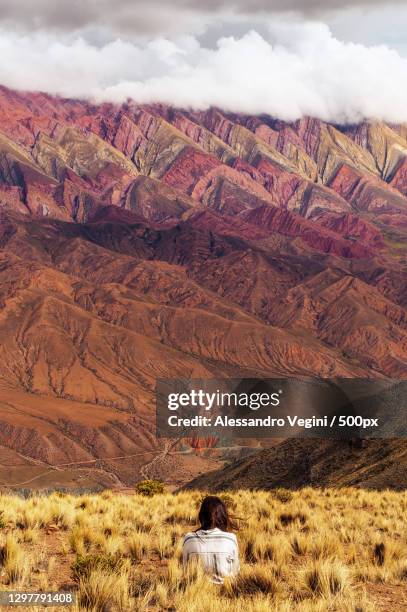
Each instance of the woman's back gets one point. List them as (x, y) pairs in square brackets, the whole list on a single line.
[(217, 550)]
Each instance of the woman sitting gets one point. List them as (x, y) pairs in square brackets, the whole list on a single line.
[(213, 544)]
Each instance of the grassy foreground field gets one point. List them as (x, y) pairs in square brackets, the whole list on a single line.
[(343, 550)]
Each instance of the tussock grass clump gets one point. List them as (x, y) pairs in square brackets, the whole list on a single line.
[(403, 572), (300, 544), (84, 566), (182, 514), (102, 591), (140, 584), (30, 536), (81, 539), (379, 553), (13, 560), (256, 547), (326, 578), (253, 581), (388, 551), (282, 495), (164, 545), (137, 545), (288, 518), (324, 546)]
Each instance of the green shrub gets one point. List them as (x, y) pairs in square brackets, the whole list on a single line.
[(150, 487)]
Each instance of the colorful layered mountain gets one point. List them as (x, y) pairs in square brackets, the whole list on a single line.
[(141, 241)]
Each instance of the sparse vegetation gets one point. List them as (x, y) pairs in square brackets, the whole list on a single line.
[(312, 550), (150, 487)]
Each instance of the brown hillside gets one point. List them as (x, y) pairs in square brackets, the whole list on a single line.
[(140, 242)]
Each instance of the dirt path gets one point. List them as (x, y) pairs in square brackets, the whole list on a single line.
[(168, 446)]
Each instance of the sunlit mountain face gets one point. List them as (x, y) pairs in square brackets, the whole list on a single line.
[(146, 241)]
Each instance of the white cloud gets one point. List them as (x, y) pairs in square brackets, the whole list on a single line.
[(301, 69)]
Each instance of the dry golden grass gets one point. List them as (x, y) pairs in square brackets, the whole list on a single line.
[(307, 551)]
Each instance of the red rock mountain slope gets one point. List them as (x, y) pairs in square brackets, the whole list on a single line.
[(139, 242)]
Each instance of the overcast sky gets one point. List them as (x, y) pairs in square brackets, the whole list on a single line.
[(285, 57), (367, 21)]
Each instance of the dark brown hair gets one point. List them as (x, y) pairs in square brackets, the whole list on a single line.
[(213, 513)]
